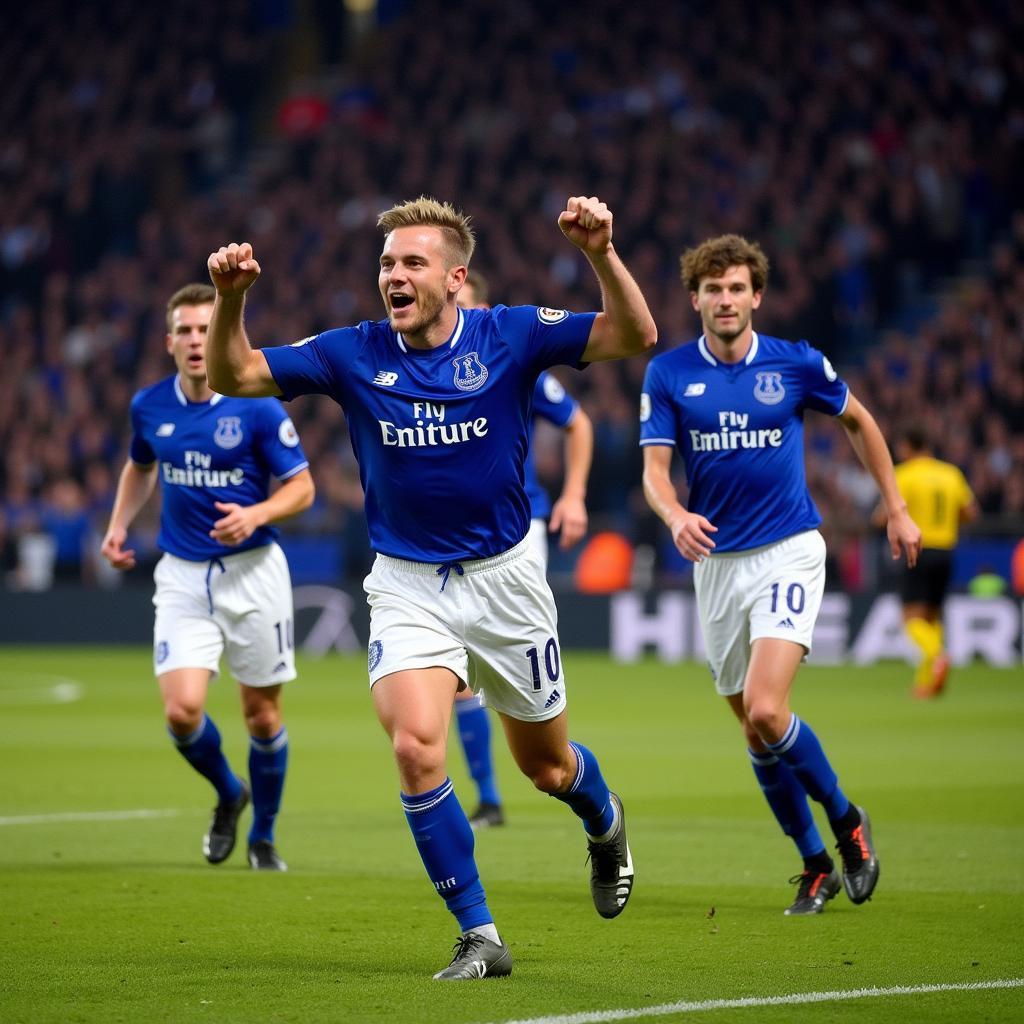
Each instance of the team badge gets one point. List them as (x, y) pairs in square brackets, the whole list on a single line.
[(470, 373), (553, 390), (645, 407), (229, 432), (546, 315), (287, 434), (769, 390), (374, 654), (830, 373)]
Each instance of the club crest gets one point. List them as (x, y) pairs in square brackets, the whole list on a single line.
[(229, 432), (769, 390), (470, 373), (374, 654)]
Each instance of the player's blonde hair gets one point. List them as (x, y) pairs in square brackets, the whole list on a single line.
[(713, 257), (454, 224), (190, 295)]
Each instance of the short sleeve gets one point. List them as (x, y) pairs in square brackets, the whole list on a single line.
[(657, 416), (552, 402), (307, 367), (279, 441), (139, 450), (542, 337), (824, 390)]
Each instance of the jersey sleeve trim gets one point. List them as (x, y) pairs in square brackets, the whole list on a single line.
[(663, 441), (846, 402), (291, 472)]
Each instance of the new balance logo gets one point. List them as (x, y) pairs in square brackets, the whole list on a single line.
[(786, 623), (165, 430), (385, 378), (693, 390), (553, 699)]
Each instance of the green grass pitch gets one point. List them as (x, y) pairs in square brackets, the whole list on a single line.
[(123, 920)]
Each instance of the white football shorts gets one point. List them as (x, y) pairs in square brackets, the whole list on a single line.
[(537, 538), (238, 605), (494, 625), (770, 591)]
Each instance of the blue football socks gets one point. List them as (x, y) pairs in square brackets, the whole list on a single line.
[(788, 800), (801, 750), (445, 840), (588, 795), (268, 762), (475, 733), (202, 750)]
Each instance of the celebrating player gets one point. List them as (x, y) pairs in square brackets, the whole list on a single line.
[(438, 405), (222, 583), (568, 517), (733, 402)]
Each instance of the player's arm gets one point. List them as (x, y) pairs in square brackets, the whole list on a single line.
[(239, 522), (862, 430), (569, 513), (232, 366), (689, 530), (134, 488), (625, 326)]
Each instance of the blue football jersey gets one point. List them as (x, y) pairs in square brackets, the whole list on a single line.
[(739, 429), (553, 403), (225, 449), (440, 434)]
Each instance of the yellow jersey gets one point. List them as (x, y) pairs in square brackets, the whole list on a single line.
[(936, 493)]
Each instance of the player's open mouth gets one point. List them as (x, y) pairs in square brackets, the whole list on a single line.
[(400, 301)]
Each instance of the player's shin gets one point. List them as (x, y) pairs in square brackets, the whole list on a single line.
[(801, 750), (788, 800), (588, 796), (202, 750), (268, 763), (445, 842)]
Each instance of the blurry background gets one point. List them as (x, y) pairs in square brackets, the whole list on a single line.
[(877, 154)]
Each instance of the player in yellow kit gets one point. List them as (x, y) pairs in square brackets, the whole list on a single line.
[(939, 500)]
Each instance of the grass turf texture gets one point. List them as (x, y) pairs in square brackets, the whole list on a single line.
[(124, 921)]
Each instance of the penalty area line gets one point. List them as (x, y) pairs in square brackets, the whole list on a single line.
[(47, 819), (795, 998)]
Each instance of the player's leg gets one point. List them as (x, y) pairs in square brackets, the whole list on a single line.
[(474, 727), (414, 707), (198, 740), (268, 766), (570, 773), (253, 606), (187, 649), (773, 667)]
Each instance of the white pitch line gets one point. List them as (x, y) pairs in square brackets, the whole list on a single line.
[(606, 1016), (46, 819)]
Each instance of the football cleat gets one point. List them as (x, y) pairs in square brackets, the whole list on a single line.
[(475, 956), (611, 869), (860, 862), (220, 840), (264, 857), (814, 890), (940, 671), (487, 816)]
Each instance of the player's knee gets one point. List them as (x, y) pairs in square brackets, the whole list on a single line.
[(767, 719), (263, 722), (416, 755), (549, 777), (183, 716)]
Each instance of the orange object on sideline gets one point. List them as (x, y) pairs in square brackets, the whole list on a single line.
[(1017, 569), (605, 564)]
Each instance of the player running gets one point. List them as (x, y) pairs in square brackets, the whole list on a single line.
[(733, 402), (222, 584), (438, 404)]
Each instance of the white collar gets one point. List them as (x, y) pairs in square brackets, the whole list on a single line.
[(702, 347), (183, 400), (456, 334)]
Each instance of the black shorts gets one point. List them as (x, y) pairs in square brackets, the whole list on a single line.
[(928, 581)]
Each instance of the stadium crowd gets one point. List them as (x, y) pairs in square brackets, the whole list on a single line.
[(875, 153)]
